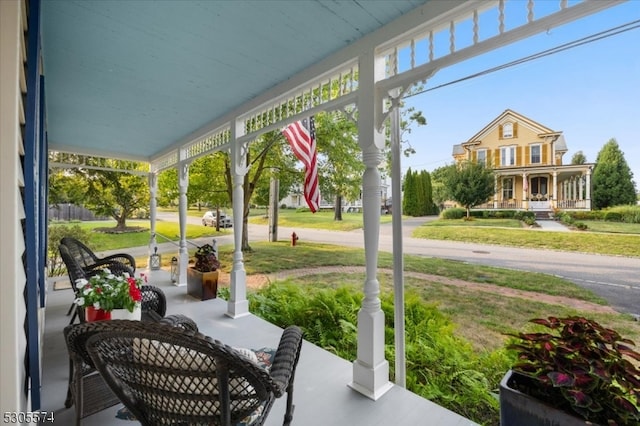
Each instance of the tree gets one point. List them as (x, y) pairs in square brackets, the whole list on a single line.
[(578, 158), (410, 198), (470, 183), (340, 165), (612, 178), (111, 190), (439, 189)]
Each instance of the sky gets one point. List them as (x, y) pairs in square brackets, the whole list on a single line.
[(591, 93)]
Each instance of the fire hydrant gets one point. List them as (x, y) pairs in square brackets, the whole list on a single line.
[(294, 239)]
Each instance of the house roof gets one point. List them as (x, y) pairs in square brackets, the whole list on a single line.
[(511, 116), (130, 79)]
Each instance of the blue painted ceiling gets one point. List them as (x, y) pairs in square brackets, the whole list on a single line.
[(130, 78)]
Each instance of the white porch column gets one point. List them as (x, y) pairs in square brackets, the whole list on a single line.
[(238, 305), (183, 184), (495, 191), (370, 369), (153, 207), (525, 191), (588, 189), (574, 188), (581, 189), (554, 200)]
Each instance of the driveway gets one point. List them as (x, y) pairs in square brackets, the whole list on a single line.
[(614, 278)]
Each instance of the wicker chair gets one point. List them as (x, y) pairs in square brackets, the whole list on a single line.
[(76, 270), (166, 376), (87, 390), (88, 260)]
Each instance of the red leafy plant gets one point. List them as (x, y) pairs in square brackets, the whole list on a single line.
[(206, 260), (582, 367)]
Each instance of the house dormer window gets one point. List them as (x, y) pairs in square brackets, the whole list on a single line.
[(536, 154), (507, 130)]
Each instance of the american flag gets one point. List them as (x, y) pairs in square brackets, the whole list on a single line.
[(302, 138)]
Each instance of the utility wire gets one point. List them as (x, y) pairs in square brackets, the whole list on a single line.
[(585, 40)]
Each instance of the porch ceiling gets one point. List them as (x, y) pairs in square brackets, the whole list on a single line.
[(129, 79)]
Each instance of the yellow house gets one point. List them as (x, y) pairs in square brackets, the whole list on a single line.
[(527, 159)]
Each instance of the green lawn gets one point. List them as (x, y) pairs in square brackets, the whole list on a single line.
[(476, 231), (103, 241)]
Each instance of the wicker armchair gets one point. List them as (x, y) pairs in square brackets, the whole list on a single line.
[(166, 376), (76, 270), (88, 260), (87, 390)]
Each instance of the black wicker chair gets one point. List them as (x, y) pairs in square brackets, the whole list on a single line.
[(166, 376), (76, 271), (88, 260), (87, 390)]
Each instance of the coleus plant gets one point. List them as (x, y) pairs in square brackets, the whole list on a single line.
[(582, 366)]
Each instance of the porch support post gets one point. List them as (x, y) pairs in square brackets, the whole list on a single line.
[(370, 369), (554, 200), (238, 305), (588, 189), (153, 207), (525, 191), (574, 188), (183, 184), (581, 188), (495, 191)]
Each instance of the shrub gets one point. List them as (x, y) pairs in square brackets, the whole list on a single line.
[(580, 225), (453, 213), (612, 216), (55, 234), (441, 366)]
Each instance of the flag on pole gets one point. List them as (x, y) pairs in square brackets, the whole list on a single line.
[(302, 138)]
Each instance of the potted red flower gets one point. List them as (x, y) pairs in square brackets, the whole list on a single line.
[(108, 296)]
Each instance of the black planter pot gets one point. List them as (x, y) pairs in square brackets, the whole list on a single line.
[(520, 409)]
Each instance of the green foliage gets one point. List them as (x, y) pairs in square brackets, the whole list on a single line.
[(55, 234), (440, 366), (612, 216), (578, 364), (112, 191), (612, 178), (579, 158), (453, 213), (580, 225), (340, 165), (410, 198), (470, 183)]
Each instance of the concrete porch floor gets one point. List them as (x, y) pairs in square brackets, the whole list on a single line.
[(321, 394)]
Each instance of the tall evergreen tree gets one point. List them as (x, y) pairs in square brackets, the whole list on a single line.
[(409, 201), (612, 178)]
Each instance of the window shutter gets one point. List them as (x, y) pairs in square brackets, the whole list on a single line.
[(515, 130), (474, 156), (500, 131), (496, 158), (519, 156), (543, 148)]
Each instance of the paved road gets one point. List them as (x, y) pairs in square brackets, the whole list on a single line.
[(615, 278)]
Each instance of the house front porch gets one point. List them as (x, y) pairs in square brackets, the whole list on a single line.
[(542, 189), (321, 397)]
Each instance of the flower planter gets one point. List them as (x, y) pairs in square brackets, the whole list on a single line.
[(202, 285), (520, 409), (93, 314)]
